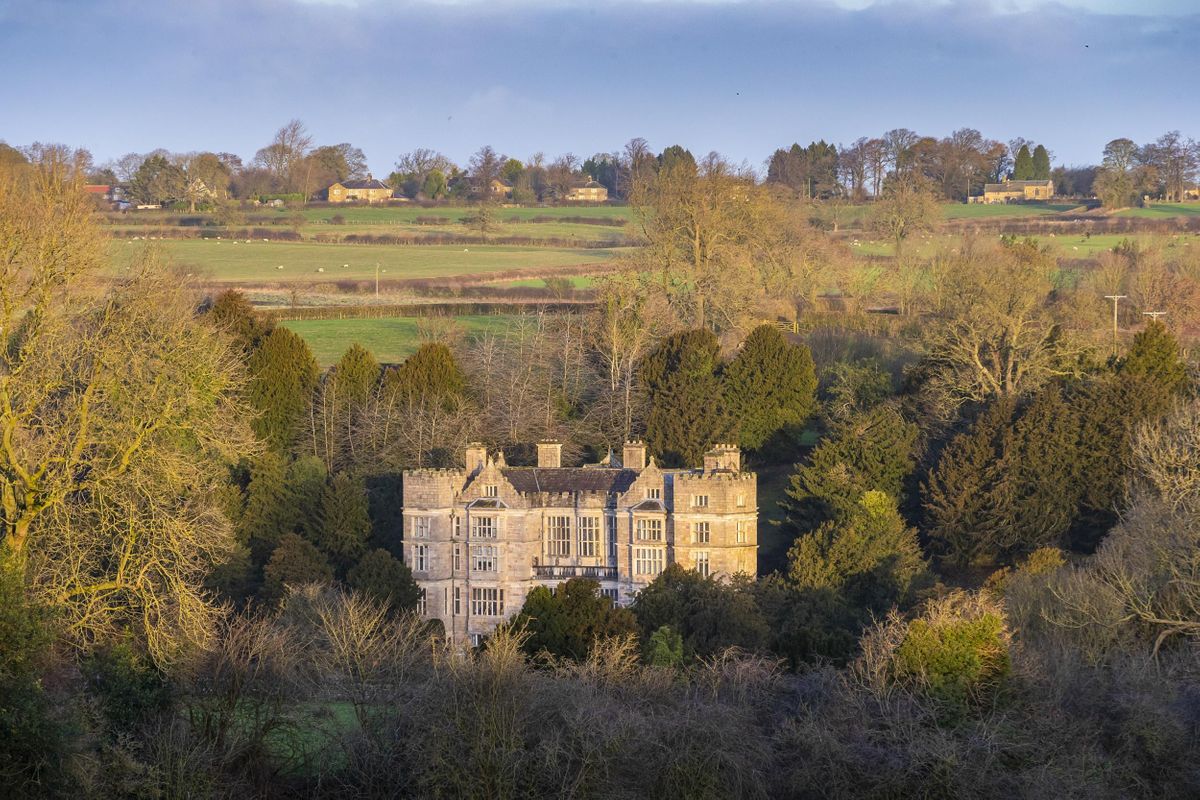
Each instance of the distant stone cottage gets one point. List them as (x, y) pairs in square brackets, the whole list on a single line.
[(370, 190), (1015, 192), (588, 192)]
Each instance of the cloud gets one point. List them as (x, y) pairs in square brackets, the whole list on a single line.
[(739, 77)]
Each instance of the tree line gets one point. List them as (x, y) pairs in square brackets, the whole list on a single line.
[(954, 167)]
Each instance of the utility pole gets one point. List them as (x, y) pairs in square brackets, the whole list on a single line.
[(1116, 298), (1154, 315)]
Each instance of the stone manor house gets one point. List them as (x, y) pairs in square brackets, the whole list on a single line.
[(479, 538)]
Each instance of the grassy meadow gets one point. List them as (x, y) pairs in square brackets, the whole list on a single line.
[(1162, 211), (990, 211), (390, 340), (271, 262)]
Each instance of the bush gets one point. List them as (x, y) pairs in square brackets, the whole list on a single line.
[(33, 745), (132, 691), (956, 652)]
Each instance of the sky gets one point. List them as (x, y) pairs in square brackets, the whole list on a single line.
[(741, 77)]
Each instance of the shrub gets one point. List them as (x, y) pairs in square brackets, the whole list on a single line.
[(952, 658), (33, 746), (956, 652)]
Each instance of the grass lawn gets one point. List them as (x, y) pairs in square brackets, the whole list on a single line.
[(1067, 245), (258, 262), (1161, 210), (987, 210), (390, 340), (405, 214)]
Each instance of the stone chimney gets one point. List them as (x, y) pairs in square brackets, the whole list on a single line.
[(634, 456), (723, 456), (476, 457), (549, 454)]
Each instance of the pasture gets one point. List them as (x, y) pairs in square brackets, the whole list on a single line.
[(990, 211), (390, 340), (1162, 211), (258, 262), (561, 224), (1063, 245)]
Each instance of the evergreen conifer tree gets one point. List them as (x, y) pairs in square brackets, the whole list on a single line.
[(233, 313), (1008, 485), (343, 524), (572, 618), (866, 452), (869, 556), (1023, 165), (1154, 355), (430, 374), (355, 374), (709, 614), (1040, 164), (381, 575), (294, 561), (687, 412), (769, 386), (283, 375), (958, 494)]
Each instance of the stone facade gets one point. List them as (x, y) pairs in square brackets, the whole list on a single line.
[(370, 190), (479, 538), (1015, 192), (588, 192)]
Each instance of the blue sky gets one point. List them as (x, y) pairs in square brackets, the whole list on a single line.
[(739, 76)]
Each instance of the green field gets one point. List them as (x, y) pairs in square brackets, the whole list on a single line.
[(390, 340), (1072, 245), (988, 211), (259, 262), (404, 215), (339, 221), (1163, 210)]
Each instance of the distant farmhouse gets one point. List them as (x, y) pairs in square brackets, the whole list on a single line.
[(110, 197), (500, 188), (370, 190), (1015, 192), (589, 192), (479, 539)]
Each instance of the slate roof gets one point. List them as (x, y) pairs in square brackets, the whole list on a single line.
[(373, 183), (1013, 186), (530, 480)]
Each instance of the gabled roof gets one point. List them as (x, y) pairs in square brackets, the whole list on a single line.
[(1014, 186), (650, 505), (372, 183), (559, 480), (588, 185)]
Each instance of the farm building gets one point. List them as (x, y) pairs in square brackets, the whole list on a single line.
[(371, 190), (589, 192), (1015, 192), (500, 188)]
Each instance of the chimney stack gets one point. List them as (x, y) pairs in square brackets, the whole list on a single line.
[(634, 456), (476, 457), (549, 454), (723, 456)]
